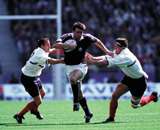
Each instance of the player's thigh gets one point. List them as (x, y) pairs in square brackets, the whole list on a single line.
[(41, 90), (32, 89), (138, 87), (76, 75), (76, 72), (30, 85), (120, 90)]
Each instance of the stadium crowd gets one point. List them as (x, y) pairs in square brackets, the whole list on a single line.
[(139, 21)]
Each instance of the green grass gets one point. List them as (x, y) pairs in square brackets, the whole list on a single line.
[(58, 115)]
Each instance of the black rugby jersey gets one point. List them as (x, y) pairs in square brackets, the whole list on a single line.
[(76, 56)]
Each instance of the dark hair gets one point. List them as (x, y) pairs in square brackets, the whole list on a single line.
[(122, 42), (79, 25), (42, 41)]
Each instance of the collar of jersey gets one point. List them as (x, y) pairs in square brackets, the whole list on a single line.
[(82, 37)]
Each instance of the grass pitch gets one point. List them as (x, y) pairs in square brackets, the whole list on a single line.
[(58, 115)]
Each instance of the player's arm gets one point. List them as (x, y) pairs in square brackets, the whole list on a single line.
[(52, 51), (58, 44), (55, 61), (99, 60), (56, 51), (102, 47), (64, 42), (70, 44)]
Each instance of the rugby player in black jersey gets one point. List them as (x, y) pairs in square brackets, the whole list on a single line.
[(75, 45)]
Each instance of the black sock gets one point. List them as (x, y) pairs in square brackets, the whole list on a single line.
[(75, 92), (80, 94), (84, 105)]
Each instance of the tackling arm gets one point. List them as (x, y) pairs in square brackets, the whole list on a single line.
[(55, 61), (58, 45), (70, 44), (101, 46), (99, 60), (56, 51)]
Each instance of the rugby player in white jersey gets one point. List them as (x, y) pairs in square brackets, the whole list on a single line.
[(134, 79), (30, 78)]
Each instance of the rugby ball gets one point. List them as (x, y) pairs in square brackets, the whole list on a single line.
[(69, 45)]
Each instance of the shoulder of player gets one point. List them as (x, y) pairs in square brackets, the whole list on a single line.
[(125, 58), (88, 35), (39, 52), (128, 54), (67, 36)]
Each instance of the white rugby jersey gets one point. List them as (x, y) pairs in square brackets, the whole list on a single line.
[(128, 63), (36, 63)]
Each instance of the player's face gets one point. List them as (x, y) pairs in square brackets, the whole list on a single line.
[(117, 49), (47, 46), (77, 33)]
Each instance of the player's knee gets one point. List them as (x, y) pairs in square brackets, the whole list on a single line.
[(43, 94), (135, 103), (38, 101), (73, 80), (80, 97), (115, 96)]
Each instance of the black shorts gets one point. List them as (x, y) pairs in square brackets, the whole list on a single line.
[(136, 86), (31, 84)]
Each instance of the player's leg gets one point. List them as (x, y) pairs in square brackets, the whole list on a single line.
[(144, 100), (75, 85), (36, 112), (83, 102), (120, 90), (135, 102), (76, 78), (41, 95), (84, 105), (32, 105), (137, 91), (33, 90)]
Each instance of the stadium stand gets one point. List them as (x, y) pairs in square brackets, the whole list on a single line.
[(139, 21)]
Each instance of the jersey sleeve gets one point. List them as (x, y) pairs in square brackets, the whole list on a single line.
[(64, 37), (43, 59), (91, 38), (117, 61)]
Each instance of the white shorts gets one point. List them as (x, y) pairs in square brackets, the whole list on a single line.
[(82, 67)]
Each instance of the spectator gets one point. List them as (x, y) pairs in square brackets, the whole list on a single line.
[(13, 79), (136, 20)]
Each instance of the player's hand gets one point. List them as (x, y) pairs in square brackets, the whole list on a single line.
[(88, 58), (110, 53), (56, 51), (52, 51)]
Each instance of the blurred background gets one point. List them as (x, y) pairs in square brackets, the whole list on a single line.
[(139, 21)]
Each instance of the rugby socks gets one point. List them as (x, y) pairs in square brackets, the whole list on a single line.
[(113, 108), (75, 90), (83, 103), (30, 106), (80, 94)]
